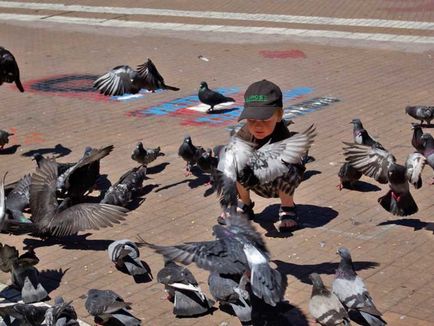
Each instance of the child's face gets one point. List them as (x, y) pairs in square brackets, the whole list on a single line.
[(264, 128)]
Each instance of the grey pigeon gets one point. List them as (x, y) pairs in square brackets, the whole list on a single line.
[(415, 163), (324, 306), (53, 219), (352, 292), (428, 150), (348, 176), (151, 77), (361, 136), (9, 71), (421, 113), (129, 184), (145, 156), (4, 138), (238, 249), (125, 254), (230, 290), (183, 290), (61, 314), (210, 97), (381, 165), (105, 305), (416, 140), (19, 197), (190, 153), (22, 314)]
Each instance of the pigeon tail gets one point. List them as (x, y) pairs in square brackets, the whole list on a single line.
[(19, 85), (400, 205), (266, 283), (171, 88), (189, 303), (31, 294), (134, 266), (373, 320), (126, 319)]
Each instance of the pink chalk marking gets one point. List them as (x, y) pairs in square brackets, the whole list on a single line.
[(33, 138), (293, 54)]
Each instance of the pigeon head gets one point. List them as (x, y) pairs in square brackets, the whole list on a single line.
[(87, 150), (316, 280), (409, 109), (203, 85), (139, 145), (344, 253), (426, 137), (357, 123), (187, 139)]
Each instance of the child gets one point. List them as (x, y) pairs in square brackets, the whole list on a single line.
[(263, 110)]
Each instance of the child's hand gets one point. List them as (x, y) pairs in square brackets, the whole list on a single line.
[(247, 177)]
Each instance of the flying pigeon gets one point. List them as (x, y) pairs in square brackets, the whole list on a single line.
[(230, 290), (9, 71), (61, 314), (145, 156), (420, 112), (361, 136), (238, 249), (106, 304), (416, 140), (4, 137), (190, 153), (183, 290), (22, 314), (324, 306), (381, 165), (352, 292), (415, 163), (129, 184), (428, 150), (152, 78), (125, 255), (348, 176), (53, 219), (210, 97)]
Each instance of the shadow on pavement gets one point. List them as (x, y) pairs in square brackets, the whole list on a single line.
[(59, 149), (78, 242), (416, 224), (9, 150)]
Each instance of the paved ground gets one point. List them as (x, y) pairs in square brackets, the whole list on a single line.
[(372, 80)]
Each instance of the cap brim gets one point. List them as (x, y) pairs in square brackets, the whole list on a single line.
[(257, 113)]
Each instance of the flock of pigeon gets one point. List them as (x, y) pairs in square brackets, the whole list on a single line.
[(52, 202)]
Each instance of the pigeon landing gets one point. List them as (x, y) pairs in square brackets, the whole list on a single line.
[(210, 97), (9, 71), (151, 77), (239, 248), (324, 306), (145, 156), (361, 136), (4, 138), (351, 290), (190, 153), (421, 113), (183, 290)]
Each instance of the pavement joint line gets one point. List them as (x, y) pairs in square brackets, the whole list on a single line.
[(313, 20), (393, 38), (353, 234)]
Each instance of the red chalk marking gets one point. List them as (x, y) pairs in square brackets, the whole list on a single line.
[(33, 138), (293, 54)]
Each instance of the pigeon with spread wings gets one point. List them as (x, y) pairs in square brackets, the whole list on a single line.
[(151, 77)]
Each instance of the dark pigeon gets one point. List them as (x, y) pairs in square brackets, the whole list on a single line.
[(421, 113), (210, 97), (416, 140), (19, 314), (352, 292), (4, 138), (9, 71), (145, 156), (183, 290), (151, 77), (361, 136), (238, 249), (61, 314), (348, 176), (106, 305), (428, 151), (53, 219), (324, 306), (190, 153)]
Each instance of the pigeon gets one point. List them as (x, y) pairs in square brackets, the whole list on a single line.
[(129, 184), (324, 306), (415, 163), (53, 219), (19, 198), (230, 290), (428, 151), (152, 78), (190, 153), (4, 137), (9, 71), (351, 290), (125, 255), (210, 97), (238, 249), (183, 290), (23, 314), (348, 176), (24, 274), (145, 156), (381, 165), (420, 112), (361, 136), (61, 314), (416, 140), (106, 304), (265, 165)]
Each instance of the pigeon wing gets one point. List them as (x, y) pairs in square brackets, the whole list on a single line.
[(115, 82), (415, 164)]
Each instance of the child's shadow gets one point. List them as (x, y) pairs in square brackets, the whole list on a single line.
[(310, 216)]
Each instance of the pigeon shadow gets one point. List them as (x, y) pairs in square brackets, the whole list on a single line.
[(139, 197), (9, 150), (301, 272), (201, 179), (74, 242), (51, 278), (103, 183), (310, 173), (221, 111), (157, 168), (282, 314), (310, 216), (416, 224), (362, 186), (59, 149)]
